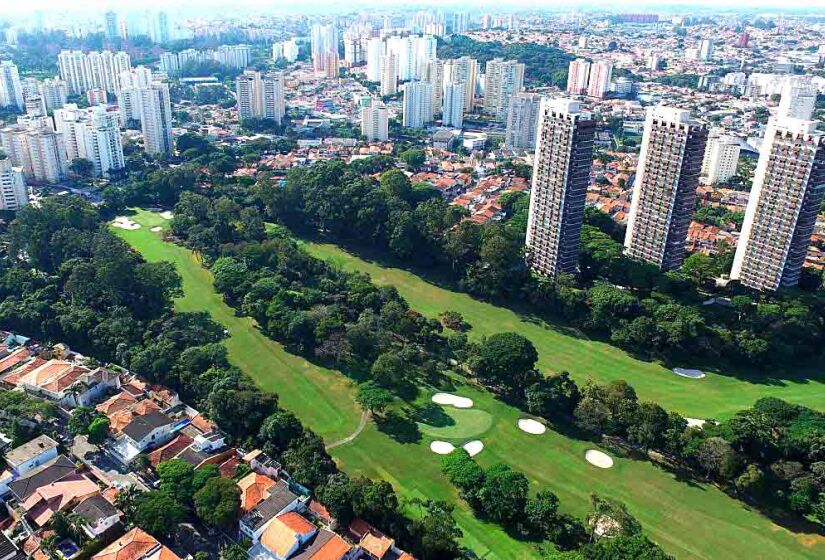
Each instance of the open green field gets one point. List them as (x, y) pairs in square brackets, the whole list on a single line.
[(688, 520), (715, 396)]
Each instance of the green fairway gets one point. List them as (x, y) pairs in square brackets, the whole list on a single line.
[(689, 520), (715, 396)]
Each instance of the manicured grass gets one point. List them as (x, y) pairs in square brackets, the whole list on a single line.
[(688, 520), (457, 424), (559, 348)]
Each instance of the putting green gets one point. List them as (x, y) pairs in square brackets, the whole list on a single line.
[(454, 423)]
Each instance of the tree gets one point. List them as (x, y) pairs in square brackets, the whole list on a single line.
[(98, 430), (81, 167), (234, 551), (158, 513), (372, 398), (503, 494), (337, 494), (176, 477), (541, 512), (278, 431), (218, 503), (504, 359), (717, 458), (203, 474), (413, 158), (389, 370), (553, 397), (463, 472), (80, 420), (435, 531)]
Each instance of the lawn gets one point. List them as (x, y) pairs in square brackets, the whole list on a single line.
[(688, 520), (715, 396)]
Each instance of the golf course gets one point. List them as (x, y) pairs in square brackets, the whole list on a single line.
[(688, 520)]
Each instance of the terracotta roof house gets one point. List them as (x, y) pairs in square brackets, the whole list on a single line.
[(14, 359), (137, 544), (325, 545), (279, 499), (49, 472), (254, 490), (170, 450), (98, 515), (284, 536), (116, 403), (48, 499), (68, 383)]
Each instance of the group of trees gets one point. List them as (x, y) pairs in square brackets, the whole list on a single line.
[(501, 494), (544, 65), (771, 454)]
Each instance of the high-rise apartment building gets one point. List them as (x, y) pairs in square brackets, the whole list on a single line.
[(54, 93), (324, 43), (417, 104), (233, 56), (260, 97), (13, 191), (463, 70), (110, 25), (561, 173), (389, 74), (798, 99), (11, 90), (47, 155), (664, 191), (787, 192), (375, 52), (721, 158), (434, 74), (599, 81), (522, 121), (375, 121), (82, 71), (453, 107), (291, 50), (503, 79), (156, 118), (705, 49), (578, 74)]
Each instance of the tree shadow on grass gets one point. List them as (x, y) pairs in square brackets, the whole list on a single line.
[(399, 427), (433, 415)]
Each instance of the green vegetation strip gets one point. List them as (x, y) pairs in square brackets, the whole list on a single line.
[(561, 348), (687, 520)]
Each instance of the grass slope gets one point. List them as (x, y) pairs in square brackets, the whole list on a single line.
[(688, 520), (715, 396)]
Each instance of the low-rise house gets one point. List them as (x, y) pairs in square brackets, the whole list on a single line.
[(262, 463), (325, 545), (254, 490), (49, 472), (69, 384), (137, 544), (25, 458), (142, 433), (59, 495), (9, 550), (98, 515), (374, 544), (278, 499), (283, 537)]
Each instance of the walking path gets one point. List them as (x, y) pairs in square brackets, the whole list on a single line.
[(365, 416)]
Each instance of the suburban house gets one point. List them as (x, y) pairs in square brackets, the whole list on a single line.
[(374, 544), (278, 499), (142, 433), (60, 495), (283, 537), (22, 460), (254, 488), (69, 384), (98, 515), (49, 472), (137, 544), (325, 545), (262, 463)]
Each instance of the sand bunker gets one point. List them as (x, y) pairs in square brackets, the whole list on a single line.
[(166, 215), (598, 459), (690, 373), (442, 447), (123, 222), (531, 426), (156, 228), (454, 400), (473, 447), (695, 422)]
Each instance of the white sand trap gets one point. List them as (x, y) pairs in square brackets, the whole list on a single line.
[(473, 447), (166, 215), (531, 426), (123, 222), (598, 459), (156, 228), (690, 373), (442, 447), (454, 400), (695, 422)]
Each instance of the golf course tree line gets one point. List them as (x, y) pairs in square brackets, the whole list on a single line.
[(65, 277), (636, 306), (501, 494), (771, 455), (343, 320)]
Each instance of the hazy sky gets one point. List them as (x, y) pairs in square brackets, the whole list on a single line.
[(22, 7)]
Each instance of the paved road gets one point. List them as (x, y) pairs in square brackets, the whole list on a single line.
[(106, 466)]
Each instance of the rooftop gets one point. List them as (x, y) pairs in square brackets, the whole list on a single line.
[(30, 450)]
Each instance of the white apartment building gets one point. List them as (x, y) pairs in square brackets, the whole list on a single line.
[(389, 74), (522, 121), (156, 118), (375, 121), (721, 159), (598, 84), (434, 74), (578, 73), (54, 93), (47, 154), (463, 70), (453, 109), (375, 53), (664, 191), (787, 192), (417, 104), (291, 50), (13, 191), (324, 44), (503, 78), (11, 90), (561, 173)]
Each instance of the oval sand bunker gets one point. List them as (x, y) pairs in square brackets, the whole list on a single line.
[(531, 426), (598, 459), (454, 400), (442, 447), (473, 447), (689, 373)]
